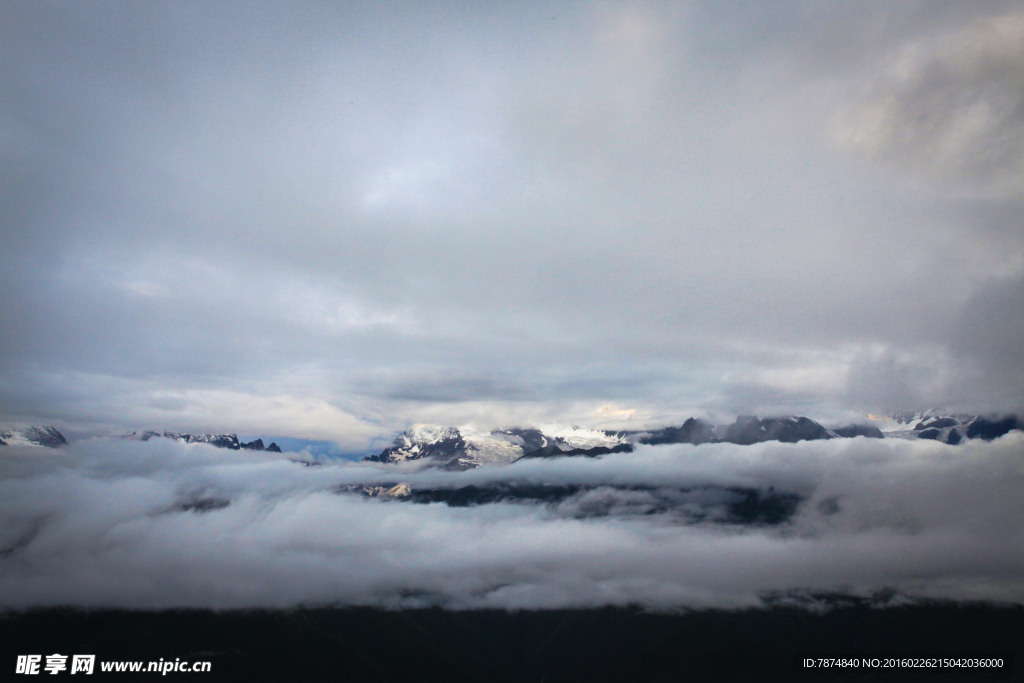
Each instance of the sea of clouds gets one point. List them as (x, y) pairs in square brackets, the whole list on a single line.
[(145, 525)]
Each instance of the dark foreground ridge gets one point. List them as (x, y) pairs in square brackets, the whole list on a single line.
[(732, 505), (556, 452), (617, 645)]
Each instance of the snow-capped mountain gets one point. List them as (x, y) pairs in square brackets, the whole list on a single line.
[(385, 492), (461, 448), (528, 439), (48, 437), (424, 441), (465, 448), (951, 429), (218, 440), (229, 441)]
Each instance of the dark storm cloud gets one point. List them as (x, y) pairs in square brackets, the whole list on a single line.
[(329, 221), (162, 524)]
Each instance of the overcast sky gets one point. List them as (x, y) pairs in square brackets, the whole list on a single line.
[(330, 221)]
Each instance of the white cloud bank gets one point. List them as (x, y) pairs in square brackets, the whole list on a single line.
[(98, 524)]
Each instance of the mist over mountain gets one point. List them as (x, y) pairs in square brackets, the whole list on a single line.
[(590, 309), (126, 522), (456, 450), (229, 441), (449, 447), (32, 436)]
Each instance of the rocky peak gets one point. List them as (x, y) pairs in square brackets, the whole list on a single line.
[(424, 441), (33, 435), (748, 429)]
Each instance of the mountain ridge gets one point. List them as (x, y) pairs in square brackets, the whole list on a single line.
[(33, 435), (229, 441), (456, 451), (459, 448)]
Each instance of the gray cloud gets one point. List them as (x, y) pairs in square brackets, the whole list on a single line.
[(102, 523), (950, 103), (333, 221)]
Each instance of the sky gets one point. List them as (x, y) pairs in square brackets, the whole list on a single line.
[(103, 523), (330, 221)]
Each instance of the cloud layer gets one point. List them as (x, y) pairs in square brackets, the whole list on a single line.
[(333, 221), (116, 524)]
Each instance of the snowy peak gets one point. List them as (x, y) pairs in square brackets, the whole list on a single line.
[(141, 436), (465, 448), (429, 434), (219, 440), (952, 429), (462, 448), (528, 439), (581, 437), (384, 492), (424, 441), (47, 437), (229, 441)]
